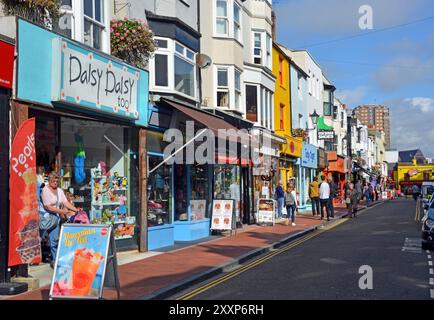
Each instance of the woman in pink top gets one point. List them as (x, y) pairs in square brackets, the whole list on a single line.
[(55, 202)]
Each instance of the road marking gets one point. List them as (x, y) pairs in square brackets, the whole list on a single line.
[(257, 262), (429, 256), (430, 263), (432, 293), (431, 271), (427, 251), (431, 281)]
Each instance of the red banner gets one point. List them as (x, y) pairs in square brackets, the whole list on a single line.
[(24, 242), (7, 64)]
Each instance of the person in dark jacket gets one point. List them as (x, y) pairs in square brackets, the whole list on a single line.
[(352, 198), (280, 196), (333, 189)]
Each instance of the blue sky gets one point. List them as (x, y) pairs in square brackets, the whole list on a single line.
[(393, 67)]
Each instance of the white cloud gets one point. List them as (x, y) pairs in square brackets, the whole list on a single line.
[(352, 97), (403, 71), (426, 105)]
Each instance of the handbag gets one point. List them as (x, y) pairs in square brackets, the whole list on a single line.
[(80, 217), (47, 220), (348, 200)]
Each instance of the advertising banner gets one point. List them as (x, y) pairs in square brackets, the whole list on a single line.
[(7, 64), (24, 241), (266, 211), (222, 214), (197, 208), (81, 261)]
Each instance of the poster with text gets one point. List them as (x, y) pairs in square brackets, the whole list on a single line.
[(222, 214), (266, 211), (81, 261), (197, 208), (24, 241)]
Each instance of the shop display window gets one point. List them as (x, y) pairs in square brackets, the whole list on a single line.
[(180, 192), (159, 192), (95, 163), (199, 192)]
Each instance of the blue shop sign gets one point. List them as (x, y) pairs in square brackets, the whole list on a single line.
[(52, 68), (309, 156)]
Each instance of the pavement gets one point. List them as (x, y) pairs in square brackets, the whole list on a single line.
[(158, 275), (331, 265)]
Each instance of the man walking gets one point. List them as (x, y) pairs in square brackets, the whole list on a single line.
[(324, 195), (359, 189), (280, 195), (332, 196), (314, 196)]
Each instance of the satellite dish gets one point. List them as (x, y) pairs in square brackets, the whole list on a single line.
[(203, 61)]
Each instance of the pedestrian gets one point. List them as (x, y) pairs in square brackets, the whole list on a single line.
[(291, 203), (352, 198), (367, 193), (314, 196), (415, 190), (280, 196), (54, 202), (359, 189), (324, 194), (333, 192), (346, 188)]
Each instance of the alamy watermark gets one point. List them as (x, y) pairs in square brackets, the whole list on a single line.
[(366, 20), (366, 281)]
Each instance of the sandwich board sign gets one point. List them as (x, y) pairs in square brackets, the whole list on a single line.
[(223, 215), (85, 262)]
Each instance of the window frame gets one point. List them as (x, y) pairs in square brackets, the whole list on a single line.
[(93, 22), (237, 24), (260, 55), (221, 88), (217, 17)]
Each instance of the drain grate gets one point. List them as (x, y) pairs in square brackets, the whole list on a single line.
[(412, 245)]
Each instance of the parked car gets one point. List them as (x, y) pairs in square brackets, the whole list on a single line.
[(428, 226)]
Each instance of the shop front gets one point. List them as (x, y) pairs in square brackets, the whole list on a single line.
[(89, 108), (322, 161), (308, 165), (289, 153), (181, 190), (337, 170)]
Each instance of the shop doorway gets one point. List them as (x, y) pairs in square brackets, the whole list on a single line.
[(246, 196)]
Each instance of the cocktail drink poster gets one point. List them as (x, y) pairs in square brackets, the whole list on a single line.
[(81, 261)]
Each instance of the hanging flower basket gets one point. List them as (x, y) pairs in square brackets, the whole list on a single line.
[(301, 133), (42, 12), (132, 41)]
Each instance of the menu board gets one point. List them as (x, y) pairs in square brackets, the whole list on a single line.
[(266, 208), (197, 209), (222, 214), (81, 260)]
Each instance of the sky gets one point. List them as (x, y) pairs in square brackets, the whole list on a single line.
[(392, 64)]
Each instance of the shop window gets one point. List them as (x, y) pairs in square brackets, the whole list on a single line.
[(199, 192), (159, 193), (180, 192), (227, 184)]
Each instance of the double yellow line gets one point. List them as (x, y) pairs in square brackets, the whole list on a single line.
[(259, 261)]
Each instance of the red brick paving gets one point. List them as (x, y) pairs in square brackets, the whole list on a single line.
[(141, 278)]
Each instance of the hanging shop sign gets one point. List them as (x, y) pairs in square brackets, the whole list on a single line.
[(326, 134), (24, 242), (94, 81), (222, 215), (7, 64), (309, 157), (85, 262)]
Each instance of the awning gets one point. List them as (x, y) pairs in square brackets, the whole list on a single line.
[(207, 119)]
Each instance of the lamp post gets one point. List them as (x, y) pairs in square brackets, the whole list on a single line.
[(314, 116)]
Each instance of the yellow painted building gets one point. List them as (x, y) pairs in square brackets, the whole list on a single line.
[(410, 174), (291, 150)]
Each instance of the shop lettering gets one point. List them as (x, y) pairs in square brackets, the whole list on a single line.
[(90, 74), (26, 154)]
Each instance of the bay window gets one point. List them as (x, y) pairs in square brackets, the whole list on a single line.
[(257, 48), (237, 89), (93, 23), (252, 103), (222, 87), (228, 89), (262, 48), (227, 19), (173, 68)]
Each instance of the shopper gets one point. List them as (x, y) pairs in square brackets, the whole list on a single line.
[(333, 192), (415, 190), (314, 196), (359, 189), (291, 203), (324, 195), (54, 202), (280, 196), (352, 198), (368, 194)]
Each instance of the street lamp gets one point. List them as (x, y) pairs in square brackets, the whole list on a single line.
[(314, 116)]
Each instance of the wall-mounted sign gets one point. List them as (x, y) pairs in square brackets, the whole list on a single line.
[(326, 134), (93, 81), (7, 64), (309, 156)]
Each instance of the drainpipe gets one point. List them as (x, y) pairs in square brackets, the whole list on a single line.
[(200, 70)]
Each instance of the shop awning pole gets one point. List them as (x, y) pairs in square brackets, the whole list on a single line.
[(177, 151)]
